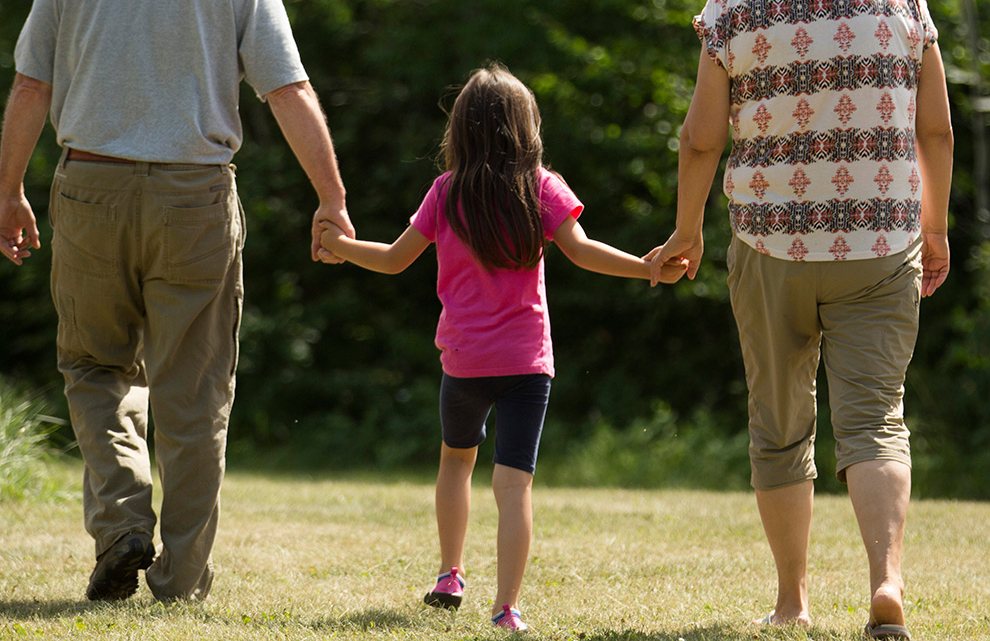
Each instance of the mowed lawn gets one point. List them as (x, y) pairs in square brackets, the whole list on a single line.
[(300, 557)]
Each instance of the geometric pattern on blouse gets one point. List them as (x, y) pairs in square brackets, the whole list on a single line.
[(877, 215), (837, 145), (854, 72)]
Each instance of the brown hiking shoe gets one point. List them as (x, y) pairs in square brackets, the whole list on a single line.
[(115, 576)]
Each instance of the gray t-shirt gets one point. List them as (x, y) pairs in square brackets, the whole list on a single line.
[(156, 80)]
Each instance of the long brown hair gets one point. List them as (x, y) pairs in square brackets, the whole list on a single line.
[(493, 151)]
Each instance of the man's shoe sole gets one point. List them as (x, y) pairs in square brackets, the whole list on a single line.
[(115, 576)]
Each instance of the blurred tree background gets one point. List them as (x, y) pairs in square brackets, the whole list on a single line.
[(338, 368)]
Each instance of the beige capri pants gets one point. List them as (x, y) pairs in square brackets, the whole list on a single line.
[(861, 318)]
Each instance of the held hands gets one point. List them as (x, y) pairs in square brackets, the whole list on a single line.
[(679, 256), (329, 233), (18, 229), (333, 215), (668, 272)]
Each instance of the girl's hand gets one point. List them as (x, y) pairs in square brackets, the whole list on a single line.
[(329, 237)]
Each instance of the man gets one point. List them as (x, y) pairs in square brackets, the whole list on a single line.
[(838, 186), (146, 254)]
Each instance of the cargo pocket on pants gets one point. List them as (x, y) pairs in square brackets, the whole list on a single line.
[(84, 236)]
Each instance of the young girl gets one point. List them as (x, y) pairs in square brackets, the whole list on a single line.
[(491, 214)]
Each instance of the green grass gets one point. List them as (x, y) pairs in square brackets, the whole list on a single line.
[(25, 448), (302, 557)]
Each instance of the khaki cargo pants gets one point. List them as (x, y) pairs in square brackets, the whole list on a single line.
[(146, 278)]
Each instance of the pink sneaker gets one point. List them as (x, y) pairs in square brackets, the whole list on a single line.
[(448, 591), (509, 619)]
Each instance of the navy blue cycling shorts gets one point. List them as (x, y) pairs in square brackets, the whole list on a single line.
[(520, 407)]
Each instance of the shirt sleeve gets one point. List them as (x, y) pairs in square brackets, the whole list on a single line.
[(711, 29), (425, 218), (34, 54), (268, 53), (557, 202), (931, 33)]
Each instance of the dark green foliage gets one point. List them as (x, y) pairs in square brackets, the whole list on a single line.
[(338, 364)]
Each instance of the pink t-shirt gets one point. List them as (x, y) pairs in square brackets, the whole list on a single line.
[(493, 323)]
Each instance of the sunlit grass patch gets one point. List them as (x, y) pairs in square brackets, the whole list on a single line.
[(338, 557), (26, 454)]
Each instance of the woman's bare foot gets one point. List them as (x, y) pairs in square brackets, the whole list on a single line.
[(887, 606)]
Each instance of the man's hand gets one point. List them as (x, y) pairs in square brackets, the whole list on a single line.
[(18, 229), (23, 120)]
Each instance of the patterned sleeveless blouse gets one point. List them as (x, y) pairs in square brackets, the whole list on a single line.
[(823, 99)]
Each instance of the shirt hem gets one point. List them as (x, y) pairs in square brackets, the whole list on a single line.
[(502, 371)]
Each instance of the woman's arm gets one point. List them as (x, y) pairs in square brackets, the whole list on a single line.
[(378, 257), (933, 128), (703, 137), (602, 258)]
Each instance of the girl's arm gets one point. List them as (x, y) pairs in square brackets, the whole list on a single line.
[(378, 257), (600, 257)]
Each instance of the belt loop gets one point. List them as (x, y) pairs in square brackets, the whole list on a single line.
[(142, 168), (63, 158)]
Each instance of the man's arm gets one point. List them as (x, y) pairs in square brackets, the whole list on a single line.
[(23, 121), (298, 112)]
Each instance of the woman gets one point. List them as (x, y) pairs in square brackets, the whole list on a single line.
[(838, 187)]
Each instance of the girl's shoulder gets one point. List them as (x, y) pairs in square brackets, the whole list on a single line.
[(437, 192), (551, 184), (428, 214), (547, 177), (441, 181), (544, 174)]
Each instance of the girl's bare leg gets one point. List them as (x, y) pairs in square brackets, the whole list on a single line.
[(513, 496), (453, 503)]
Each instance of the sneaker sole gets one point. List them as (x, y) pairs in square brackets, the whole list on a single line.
[(120, 577), (442, 600)]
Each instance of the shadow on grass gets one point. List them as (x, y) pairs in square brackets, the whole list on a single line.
[(20, 609), (700, 634), (374, 618), (387, 620), (717, 632), (390, 621)]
